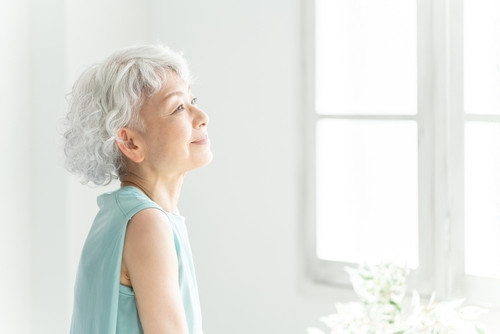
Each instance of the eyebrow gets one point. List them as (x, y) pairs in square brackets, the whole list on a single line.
[(169, 95)]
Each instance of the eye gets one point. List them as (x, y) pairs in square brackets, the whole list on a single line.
[(194, 101), (179, 108)]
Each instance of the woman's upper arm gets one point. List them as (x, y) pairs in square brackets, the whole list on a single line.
[(150, 259)]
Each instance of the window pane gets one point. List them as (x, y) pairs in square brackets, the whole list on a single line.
[(482, 56), (367, 191), (366, 57), (482, 199)]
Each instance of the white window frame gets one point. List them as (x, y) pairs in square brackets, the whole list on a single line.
[(441, 122)]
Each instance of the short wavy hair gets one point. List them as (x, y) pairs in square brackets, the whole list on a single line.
[(108, 96)]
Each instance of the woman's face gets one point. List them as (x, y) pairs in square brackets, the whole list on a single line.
[(176, 135)]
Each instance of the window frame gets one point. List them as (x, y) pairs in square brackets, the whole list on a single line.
[(441, 121)]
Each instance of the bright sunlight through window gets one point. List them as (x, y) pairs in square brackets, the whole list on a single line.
[(366, 131)]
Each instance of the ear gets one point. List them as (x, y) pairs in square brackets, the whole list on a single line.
[(128, 141)]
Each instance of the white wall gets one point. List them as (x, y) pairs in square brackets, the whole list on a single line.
[(15, 235), (49, 280)]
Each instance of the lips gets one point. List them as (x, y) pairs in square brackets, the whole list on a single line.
[(202, 140)]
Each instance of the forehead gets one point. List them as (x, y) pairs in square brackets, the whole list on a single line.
[(172, 83)]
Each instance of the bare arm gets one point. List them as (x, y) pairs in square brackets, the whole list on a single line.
[(150, 262)]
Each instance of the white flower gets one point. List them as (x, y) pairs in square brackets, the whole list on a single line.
[(379, 284), (441, 317), (381, 290), (472, 312)]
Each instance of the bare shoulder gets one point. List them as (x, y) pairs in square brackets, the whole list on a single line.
[(149, 242), (147, 221)]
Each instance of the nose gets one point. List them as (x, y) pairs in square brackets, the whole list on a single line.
[(201, 118)]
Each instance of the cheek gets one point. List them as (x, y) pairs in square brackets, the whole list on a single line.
[(178, 137)]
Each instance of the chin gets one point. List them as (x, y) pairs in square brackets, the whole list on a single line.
[(207, 160), (203, 161)]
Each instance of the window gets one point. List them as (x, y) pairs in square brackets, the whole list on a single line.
[(404, 141)]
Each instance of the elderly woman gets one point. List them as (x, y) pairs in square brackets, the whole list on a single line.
[(134, 118)]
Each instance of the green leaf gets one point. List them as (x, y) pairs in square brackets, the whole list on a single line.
[(365, 277), (395, 305), (480, 330)]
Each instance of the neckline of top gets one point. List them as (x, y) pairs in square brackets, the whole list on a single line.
[(138, 190)]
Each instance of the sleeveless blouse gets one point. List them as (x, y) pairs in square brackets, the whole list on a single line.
[(101, 304)]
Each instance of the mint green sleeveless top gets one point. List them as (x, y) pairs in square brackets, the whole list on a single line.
[(102, 305)]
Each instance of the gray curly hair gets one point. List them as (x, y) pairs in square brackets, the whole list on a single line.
[(108, 96)]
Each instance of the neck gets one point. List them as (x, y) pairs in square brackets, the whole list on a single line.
[(163, 191)]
